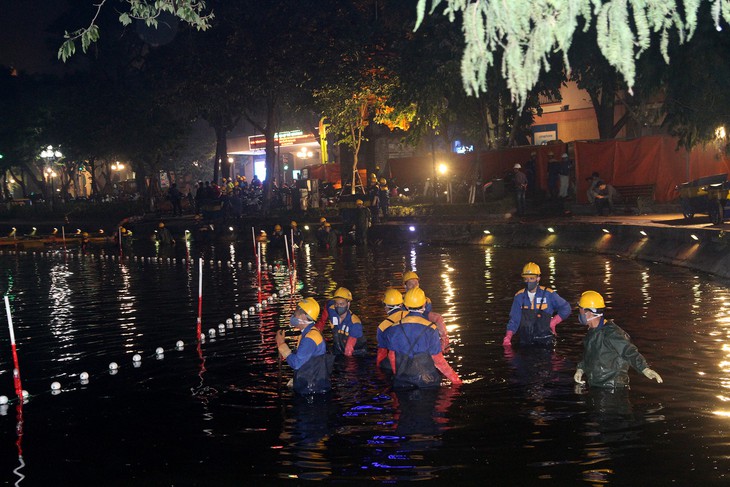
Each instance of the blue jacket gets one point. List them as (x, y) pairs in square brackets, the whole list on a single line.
[(413, 334), (311, 344), (546, 300)]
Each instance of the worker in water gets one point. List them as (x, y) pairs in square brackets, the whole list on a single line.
[(415, 348), (332, 238), (362, 222), (536, 311), (607, 349), (322, 232), (384, 197), (85, 240), (347, 332), (296, 234), (411, 281), (276, 239), (163, 235), (393, 302), (312, 365)]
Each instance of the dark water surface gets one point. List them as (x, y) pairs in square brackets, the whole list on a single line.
[(220, 415)]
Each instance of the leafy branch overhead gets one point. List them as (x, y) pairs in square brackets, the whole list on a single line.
[(191, 11), (529, 31)]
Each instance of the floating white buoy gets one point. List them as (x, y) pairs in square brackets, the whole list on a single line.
[(244, 314), (55, 386), (179, 344), (251, 309), (202, 338), (221, 327), (249, 265), (159, 351), (136, 358), (219, 263), (3, 400), (258, 305), (84, 376), (25, 394), (237, 317), (229, 321), (211, 332), (113, 366)]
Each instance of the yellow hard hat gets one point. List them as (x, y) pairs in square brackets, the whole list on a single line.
[(358, 202), (85, 234), (409, 275), (392, 297), (531, 269), (322, 220), (383, 181), (591, 300), (343, 293), (293, 223), (311, 307), (327, 224), (415, 298), (373, 176), (277, 228)]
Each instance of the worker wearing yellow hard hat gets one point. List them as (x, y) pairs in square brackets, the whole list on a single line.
[(414, 349), (296, 234), (608, 351), (348, 338), (536, 311), (412, 281), (311, 363), (393, 302), (276, 239)]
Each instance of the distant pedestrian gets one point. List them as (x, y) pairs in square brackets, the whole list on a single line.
[(520, 188), (175, 196), (564, 169)]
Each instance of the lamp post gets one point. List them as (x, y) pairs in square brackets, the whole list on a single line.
[(51, 156)]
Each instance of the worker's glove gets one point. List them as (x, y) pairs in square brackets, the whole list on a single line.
[(507, 342), (554, 323), (578, 377), (652, 375), (444, 343)]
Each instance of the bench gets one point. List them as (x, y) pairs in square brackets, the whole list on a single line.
[(638, 196)]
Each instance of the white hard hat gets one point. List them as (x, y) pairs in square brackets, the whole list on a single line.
[(517, 166)]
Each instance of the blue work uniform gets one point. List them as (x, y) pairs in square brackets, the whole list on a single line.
[(533, 319), (344, 328), (394, 317), (414, 340), (311, 363)]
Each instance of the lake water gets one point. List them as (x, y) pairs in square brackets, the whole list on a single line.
[(220, 414)]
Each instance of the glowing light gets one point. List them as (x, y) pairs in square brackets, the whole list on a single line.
[(443, 168), (694, 237), (412, 228), (724, 414), (720, 132), (306, 227), (605, 230), (551, 230), (642, 232), (487, 232), (230, 228)]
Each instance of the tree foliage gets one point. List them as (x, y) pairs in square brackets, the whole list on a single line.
[(529, 31), (192, 12)]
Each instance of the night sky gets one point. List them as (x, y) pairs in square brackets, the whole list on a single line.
[(24, 43)]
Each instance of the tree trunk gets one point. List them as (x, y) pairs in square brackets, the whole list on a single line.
[(221, 153), (270, 133)]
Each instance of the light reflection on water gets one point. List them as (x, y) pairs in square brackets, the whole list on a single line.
[(518, 416)]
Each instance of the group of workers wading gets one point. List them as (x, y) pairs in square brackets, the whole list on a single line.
[(608, 351), (411, 340)]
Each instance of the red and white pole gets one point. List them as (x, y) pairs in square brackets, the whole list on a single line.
[(200, 297), (258, 263), (288, 266), (16, 370)]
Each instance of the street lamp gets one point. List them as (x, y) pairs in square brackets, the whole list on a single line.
[(304, 153), (117, 166), (51, 156), (50, 174)]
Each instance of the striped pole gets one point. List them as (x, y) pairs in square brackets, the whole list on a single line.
[(16, 370), (258, 263), (200, 297), (288, 266), (63, 234)]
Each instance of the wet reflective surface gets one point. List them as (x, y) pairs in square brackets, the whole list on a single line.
[(220, 414)]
